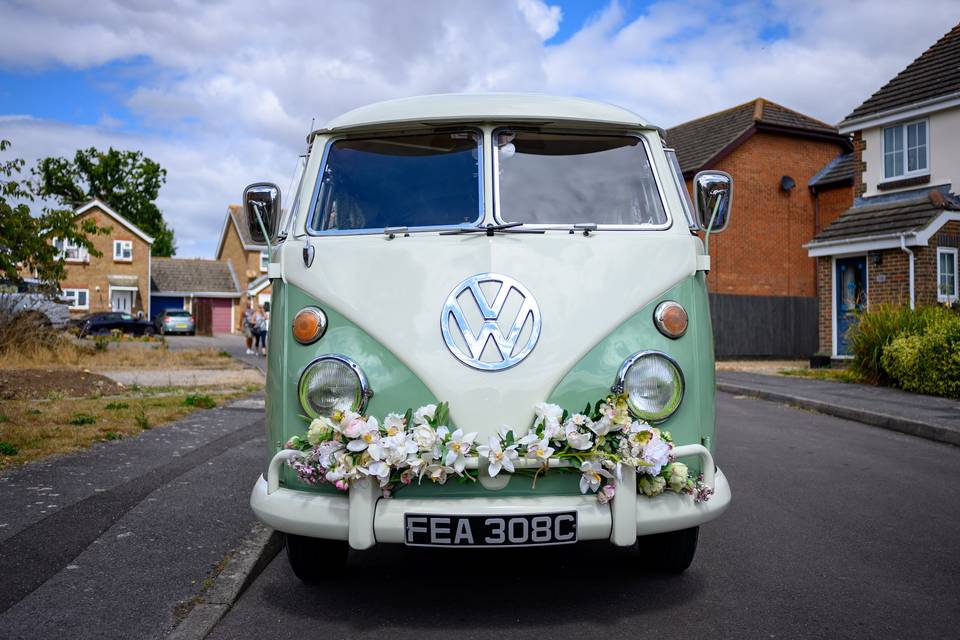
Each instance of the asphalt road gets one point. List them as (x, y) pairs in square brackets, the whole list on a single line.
[(836, 530)]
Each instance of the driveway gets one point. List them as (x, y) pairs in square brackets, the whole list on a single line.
[(231, 343), (836, 530)]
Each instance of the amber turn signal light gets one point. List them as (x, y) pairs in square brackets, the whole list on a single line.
[(309, 325), (671, 319)]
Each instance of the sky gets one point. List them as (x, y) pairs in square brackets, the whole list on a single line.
[(223, 93)]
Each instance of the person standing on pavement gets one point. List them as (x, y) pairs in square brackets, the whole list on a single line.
[(258, 328), (246, 325), (265, 309)]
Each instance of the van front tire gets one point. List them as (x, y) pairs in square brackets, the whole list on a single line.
[(670, 552), (315, 559)]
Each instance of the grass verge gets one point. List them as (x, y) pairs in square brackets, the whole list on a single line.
[(35, 429), (835, 375)]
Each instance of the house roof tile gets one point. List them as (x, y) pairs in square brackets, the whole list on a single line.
[(705, 139), (935, 73), (192, 276), (889, 218), (837, 171)]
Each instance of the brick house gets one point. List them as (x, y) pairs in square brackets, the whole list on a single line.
[(119, 280), (898, 243), (248, 258), (197, 285), (792, 177)]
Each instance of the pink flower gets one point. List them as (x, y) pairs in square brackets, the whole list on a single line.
[(342, 485), (606, 494)]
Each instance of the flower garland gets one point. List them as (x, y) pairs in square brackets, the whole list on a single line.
[(348, 446)]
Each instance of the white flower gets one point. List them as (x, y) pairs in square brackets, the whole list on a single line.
[(367, 432), (549, 416), (380, 471), (498, 457), (344, 469), (438, 473), (656, 453), (678, 476), (458, 448), (320, 429), (326, 451), (603, 426), (592, 475), (393, 423), (578, 439), (425, 436), (424, 413), (652, 485), (540, 450), (393, 450)]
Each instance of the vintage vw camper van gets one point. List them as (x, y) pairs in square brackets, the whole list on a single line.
[(489, 329)]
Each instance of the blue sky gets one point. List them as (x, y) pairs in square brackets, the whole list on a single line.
[(219, 109)]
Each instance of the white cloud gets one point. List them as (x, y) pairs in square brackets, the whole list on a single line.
[(543, 18), (234, 84)]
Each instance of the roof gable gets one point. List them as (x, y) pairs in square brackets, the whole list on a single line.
[(838, 171), (935, 74), (237, 218), (100, 204), (704, 140)]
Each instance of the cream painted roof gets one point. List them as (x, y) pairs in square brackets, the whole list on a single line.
[(479, 107)]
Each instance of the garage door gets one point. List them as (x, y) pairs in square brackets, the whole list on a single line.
[(159, 304), (221, 316)]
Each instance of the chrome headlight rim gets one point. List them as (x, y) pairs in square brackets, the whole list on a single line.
[(620, 387), (362, 397)]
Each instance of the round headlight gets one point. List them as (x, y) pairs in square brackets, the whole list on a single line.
[(309, 325), (333, 382), (653, 384)]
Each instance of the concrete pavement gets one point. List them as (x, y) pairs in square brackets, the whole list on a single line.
[(928, 417), (107, 543)]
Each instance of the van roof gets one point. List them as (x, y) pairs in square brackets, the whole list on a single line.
[(479, 107)]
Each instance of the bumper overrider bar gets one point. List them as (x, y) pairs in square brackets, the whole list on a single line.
[(363, 517)]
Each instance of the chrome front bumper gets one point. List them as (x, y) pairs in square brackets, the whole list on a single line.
[(363, 517)]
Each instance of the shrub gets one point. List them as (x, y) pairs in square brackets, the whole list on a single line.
[(7, 449), (82, 418), (200, 401), (116, 406), (140, 418), (112, 435), (876, 329), (928, 362)]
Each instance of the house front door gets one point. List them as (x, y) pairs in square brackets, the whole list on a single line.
[(851, 298), (121, 300)]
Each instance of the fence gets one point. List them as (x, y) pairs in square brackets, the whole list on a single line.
[(764, 326)]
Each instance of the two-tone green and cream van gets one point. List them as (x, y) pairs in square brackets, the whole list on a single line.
[(489, 328)]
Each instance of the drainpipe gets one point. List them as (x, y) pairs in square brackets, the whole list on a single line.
[(903, 247)]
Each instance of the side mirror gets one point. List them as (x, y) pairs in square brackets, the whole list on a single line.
[(261, 203), (713, 195)]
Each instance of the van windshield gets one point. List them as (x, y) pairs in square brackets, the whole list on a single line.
[(565, 179), (423, 180)]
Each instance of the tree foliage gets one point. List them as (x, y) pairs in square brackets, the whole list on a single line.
[(125, 180), (26, 240)]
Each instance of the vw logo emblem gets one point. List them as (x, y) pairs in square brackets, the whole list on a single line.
[(470, 299)]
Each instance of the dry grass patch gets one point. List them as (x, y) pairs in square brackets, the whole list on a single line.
[(34, 429), (837, 375)]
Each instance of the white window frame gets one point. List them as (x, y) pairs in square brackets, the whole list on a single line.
[(949, 297), (82, 254), (904, 152), (264, 262), (73, 295), (121, 245)]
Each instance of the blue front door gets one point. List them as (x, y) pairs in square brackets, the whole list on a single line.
[(851, 298)]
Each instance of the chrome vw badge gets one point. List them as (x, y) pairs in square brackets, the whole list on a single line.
[(471, 300)]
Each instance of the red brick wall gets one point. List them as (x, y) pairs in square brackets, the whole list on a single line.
[(761, 252), (825, 303), (859, 166), (833, 202)]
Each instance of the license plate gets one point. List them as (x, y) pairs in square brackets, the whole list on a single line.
[(181, 326), (534, 530)]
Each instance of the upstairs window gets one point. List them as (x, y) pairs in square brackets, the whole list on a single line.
[(905, 150), (123, 250), (947, 275), (264, 261), (71, 252)]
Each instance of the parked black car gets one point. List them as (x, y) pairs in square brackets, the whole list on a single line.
[(101, 324)]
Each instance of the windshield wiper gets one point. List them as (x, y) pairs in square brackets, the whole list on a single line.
[(490, 229)]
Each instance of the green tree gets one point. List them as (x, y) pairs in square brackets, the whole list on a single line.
[(125, 180), (26, 240)]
